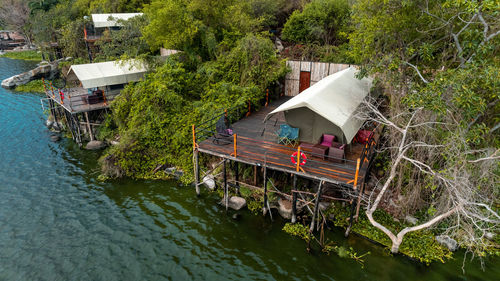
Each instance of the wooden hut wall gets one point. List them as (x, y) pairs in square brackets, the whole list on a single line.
[(317, 70)]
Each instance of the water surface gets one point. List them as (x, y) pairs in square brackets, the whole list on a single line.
[(57, 222)]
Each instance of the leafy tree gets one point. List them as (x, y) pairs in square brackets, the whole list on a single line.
[(321, 21)]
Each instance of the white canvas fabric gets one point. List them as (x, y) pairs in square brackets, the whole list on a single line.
[(107, 73), (335, 98), (109, 20)]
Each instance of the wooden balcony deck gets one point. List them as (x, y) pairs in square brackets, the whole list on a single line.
[(74, 100), (256, 144)]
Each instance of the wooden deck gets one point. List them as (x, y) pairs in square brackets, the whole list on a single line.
[(73, 101), (256, 144)]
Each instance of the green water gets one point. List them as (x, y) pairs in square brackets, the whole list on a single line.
[(57, 222)]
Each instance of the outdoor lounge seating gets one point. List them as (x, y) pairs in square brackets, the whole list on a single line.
[(224, 133), (288, 135), (336, 152), (362, 136)]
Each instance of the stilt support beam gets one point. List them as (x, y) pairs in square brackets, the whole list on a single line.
[(294, 200), (264, 208), (315, 211), (226, 193)]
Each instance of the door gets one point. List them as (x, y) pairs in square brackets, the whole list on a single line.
[(305, 80)]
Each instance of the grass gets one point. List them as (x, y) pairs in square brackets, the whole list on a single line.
[(35, 86), (30, 55)]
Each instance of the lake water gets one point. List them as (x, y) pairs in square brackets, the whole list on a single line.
[(58, 222)]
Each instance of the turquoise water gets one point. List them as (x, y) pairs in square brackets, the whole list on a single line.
[(57, 222)]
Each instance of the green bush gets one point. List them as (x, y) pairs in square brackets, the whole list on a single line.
[(24, 55), (321, 21)]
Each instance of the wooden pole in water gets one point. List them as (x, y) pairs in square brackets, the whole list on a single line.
[(226, 197), (294, 199), (264, 208), (196, 163), (318, 195), (88, 126), (237, 177), (255, 175)]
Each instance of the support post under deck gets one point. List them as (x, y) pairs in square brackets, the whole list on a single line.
[(196, 171), (315, 211), (226, 195), (294, 199), (264, 208)]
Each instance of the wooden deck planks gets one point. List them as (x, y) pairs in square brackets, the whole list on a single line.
[(260, 148)]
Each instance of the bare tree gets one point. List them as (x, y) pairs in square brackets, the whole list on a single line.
[(15, 15), (465, 179)]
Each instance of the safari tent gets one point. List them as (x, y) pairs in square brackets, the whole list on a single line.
[(327, 107), (93, 75)]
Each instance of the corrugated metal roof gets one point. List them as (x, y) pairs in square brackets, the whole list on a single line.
[(109, 20), (108, 73)]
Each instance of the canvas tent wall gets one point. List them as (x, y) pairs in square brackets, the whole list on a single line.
[(102, 74), (327, 107), (110, 20)]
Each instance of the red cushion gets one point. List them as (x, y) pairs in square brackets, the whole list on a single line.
[(327, 140)]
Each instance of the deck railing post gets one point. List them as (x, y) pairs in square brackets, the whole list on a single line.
[(267, 97), (357, 173), (298, 158), (235, 145), (237, 177)]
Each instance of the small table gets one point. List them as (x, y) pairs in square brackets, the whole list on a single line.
[(319, 150)]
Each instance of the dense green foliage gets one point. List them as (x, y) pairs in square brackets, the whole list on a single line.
[(154, 117), (23, 55), (35, 86), (321, 21), (437, 56)]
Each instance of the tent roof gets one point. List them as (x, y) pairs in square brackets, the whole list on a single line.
[(103, 20), (336, 98), (108, 73)]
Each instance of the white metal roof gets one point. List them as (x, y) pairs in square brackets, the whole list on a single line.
[(336, 98), (109, 20), (108, 73)]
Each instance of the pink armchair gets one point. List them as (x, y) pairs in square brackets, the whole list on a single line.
[(327, 140)]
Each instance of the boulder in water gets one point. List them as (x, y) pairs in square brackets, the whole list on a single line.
[(235, 202), (55, 138), (49, 123), (95, 145), (285, 208), (209, 182)]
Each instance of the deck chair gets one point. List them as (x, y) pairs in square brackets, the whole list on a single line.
[(223, 133), (287, 135)]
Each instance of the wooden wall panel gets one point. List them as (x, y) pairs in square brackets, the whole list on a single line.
[(305, 66), (319, 70)]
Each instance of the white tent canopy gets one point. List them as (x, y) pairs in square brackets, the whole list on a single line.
[(109, 20), (328, 106), (107, 73)]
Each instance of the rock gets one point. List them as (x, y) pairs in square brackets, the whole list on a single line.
[(448, 242), (113, 142), (48, 71), (279, 45), (57, 126), (323, 206), (235, 202), (490, 235), (95, 145), (236, 216), (55, 138), (411, 220), (285, 208), (49, 123), (209, 182)]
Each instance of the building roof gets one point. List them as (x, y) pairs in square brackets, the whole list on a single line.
[(107, 73), (336, 98), (109, 20)]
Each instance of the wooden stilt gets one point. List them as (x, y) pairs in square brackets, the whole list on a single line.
[(264, 208), (359, 200), (196, 171), (351, 218), (88, 126), (294, 200), (226, 195), (315, 211), (237, 177), (255, 175)]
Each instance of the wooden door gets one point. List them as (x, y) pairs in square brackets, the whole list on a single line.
[(305, 80)]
